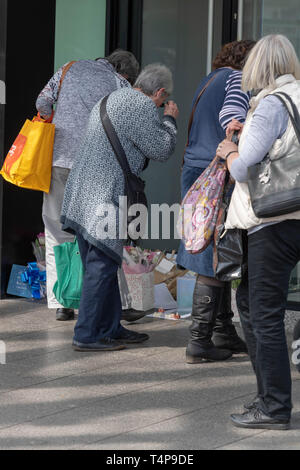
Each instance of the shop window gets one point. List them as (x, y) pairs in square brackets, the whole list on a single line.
[(260, 18), (79, 30)]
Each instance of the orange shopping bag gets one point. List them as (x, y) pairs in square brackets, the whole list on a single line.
[(29, 161)]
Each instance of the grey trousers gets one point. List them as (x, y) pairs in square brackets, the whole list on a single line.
[(54, 234)]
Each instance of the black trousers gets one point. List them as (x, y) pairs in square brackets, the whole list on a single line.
[(273, 252)]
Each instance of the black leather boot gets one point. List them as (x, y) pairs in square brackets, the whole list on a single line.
[(200, 348), (224, 332)]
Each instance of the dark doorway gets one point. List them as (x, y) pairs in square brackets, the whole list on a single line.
[(29, 63)]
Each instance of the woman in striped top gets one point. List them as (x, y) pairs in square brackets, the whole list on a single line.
[(213, 335)]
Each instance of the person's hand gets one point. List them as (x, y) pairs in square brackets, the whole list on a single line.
[(233, 126), (44, 118), (171, 109), (225, 147)]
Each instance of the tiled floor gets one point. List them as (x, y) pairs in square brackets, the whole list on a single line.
[(145, 397)]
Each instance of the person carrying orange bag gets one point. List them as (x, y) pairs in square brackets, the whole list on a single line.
[(73, 91), (29, 162)]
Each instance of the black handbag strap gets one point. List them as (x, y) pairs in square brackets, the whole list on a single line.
[(195, 106), (295, 117), (114, 139), (193, 113), (294, 107)]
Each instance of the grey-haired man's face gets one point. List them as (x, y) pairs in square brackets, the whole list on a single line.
[(159, 97)]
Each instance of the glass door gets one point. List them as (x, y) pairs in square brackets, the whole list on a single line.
[(184, 35), (262, 17), (79, 30), (284, 18)]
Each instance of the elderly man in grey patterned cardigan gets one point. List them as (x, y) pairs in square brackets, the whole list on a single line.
[(83, 85), (96, 181)]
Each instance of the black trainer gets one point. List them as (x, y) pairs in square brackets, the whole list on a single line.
[(65, 314), (253, 404), (105, 344), (257, 419), (128, 336), (132, 315)]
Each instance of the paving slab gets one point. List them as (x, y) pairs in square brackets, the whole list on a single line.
[(275, 440), (271, 440), (203, 429), (200, 429), (42, 355), (135, 373), (103, 419), (145, 397)]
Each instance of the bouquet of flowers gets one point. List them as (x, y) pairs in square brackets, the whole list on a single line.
[(39, 249), (138, 261)]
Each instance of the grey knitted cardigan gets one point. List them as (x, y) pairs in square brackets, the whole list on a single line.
[(96, 177), (85, 83)]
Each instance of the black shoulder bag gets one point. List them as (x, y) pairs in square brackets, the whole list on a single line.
[(274, 184), (134, 186)]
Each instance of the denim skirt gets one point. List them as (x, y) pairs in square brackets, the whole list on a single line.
[(203, 262)]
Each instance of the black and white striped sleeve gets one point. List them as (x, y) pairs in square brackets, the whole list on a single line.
[(236, 103)]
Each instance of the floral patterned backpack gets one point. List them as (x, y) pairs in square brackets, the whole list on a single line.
[(200, 207)]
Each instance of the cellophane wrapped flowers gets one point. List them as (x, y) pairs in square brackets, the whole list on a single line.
[(138, 261), (39, 249)]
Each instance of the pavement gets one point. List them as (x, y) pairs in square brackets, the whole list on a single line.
[(143, 398)]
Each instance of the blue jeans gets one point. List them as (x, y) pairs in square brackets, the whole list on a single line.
[(100, 305)]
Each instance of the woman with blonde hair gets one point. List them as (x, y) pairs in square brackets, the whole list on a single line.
[(273, 243)]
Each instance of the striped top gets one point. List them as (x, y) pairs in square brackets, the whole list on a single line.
[(236, 103), (222, 101)]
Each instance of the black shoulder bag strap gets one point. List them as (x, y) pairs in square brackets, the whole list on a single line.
[(114, 139), (295, 117), (193, 113), (134, 185)]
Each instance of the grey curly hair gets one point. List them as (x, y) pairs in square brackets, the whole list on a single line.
[(124, 63), (154, 77)]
